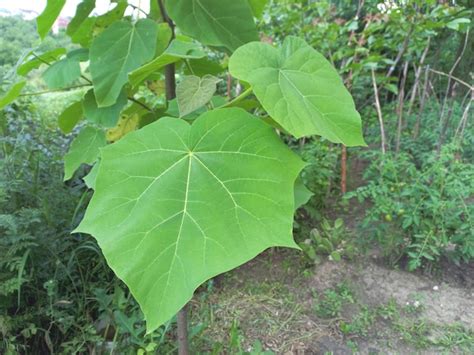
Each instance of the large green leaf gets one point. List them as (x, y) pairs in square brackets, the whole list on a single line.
[(12, 94), (104, 116), (176, 51), (62, 73), (175, 205), (84, 150), (68, 119), (300, 90), (118, 50), (36, 60), (219, 23), (194, 92), (49, 15)]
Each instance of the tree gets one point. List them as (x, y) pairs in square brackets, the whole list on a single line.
[(188, 188)]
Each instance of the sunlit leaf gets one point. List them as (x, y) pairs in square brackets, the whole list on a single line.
[(258, 6), (126, 124), (12, 94), (300, 90), (49, 15), (219, 23), (194, 92), (302, 194), (84, 150), (118, 50), (175, 205)]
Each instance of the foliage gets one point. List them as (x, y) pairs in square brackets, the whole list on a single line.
[(173, 203), (330, 240), (424, 213)]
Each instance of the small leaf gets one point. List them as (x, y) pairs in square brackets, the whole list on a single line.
[(258, 6), (12, 94), (176, 51), (175, 205), (300, 90), (336, 256), (223, 23), (49, 15), (90, 178), (126, 124), (104, 116), (118, 50), (70, 116), (84, 150), (83, 10), (37, 60), (62, 73), (302, 194), (194, 92)]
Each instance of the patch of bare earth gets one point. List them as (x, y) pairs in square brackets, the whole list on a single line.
[(272, 298)]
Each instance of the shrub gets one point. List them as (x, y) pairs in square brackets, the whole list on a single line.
[(421, 214)]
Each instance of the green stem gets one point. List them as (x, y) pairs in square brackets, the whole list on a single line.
[(54, 90), (237, 99)]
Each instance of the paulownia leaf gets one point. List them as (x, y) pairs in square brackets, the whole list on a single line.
[(118, 50), (300, 90), (302, 194), (38, 59), (194, 92), (203, 66), (219, 23), (104, 116), (84, 150), (70, 116), (126, 124), (176, 51), (257, 7), (62, 73), (83, 10), (175, 205), (46, 20), (12, 94), (89, 179)]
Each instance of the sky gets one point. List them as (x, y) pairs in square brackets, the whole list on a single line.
[(69, 9)]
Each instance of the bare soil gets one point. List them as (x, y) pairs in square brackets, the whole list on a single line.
[(273, 296)]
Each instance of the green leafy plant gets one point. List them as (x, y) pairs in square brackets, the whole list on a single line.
[(421, 214), (330, 240), (175, 203)]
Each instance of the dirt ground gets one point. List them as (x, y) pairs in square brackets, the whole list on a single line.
[(273, 299)]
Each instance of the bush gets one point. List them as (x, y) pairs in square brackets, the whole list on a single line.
[(421, 214)]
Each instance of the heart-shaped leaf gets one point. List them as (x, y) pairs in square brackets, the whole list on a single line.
[(117, 51), (219, 23), (300, 90), (84, 150), (194, 92), (175, 205)]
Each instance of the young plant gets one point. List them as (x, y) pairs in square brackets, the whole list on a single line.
[(178, 200)]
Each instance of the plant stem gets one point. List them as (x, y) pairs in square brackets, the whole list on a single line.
[(170, 89), (54, 90), (237, 99)]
